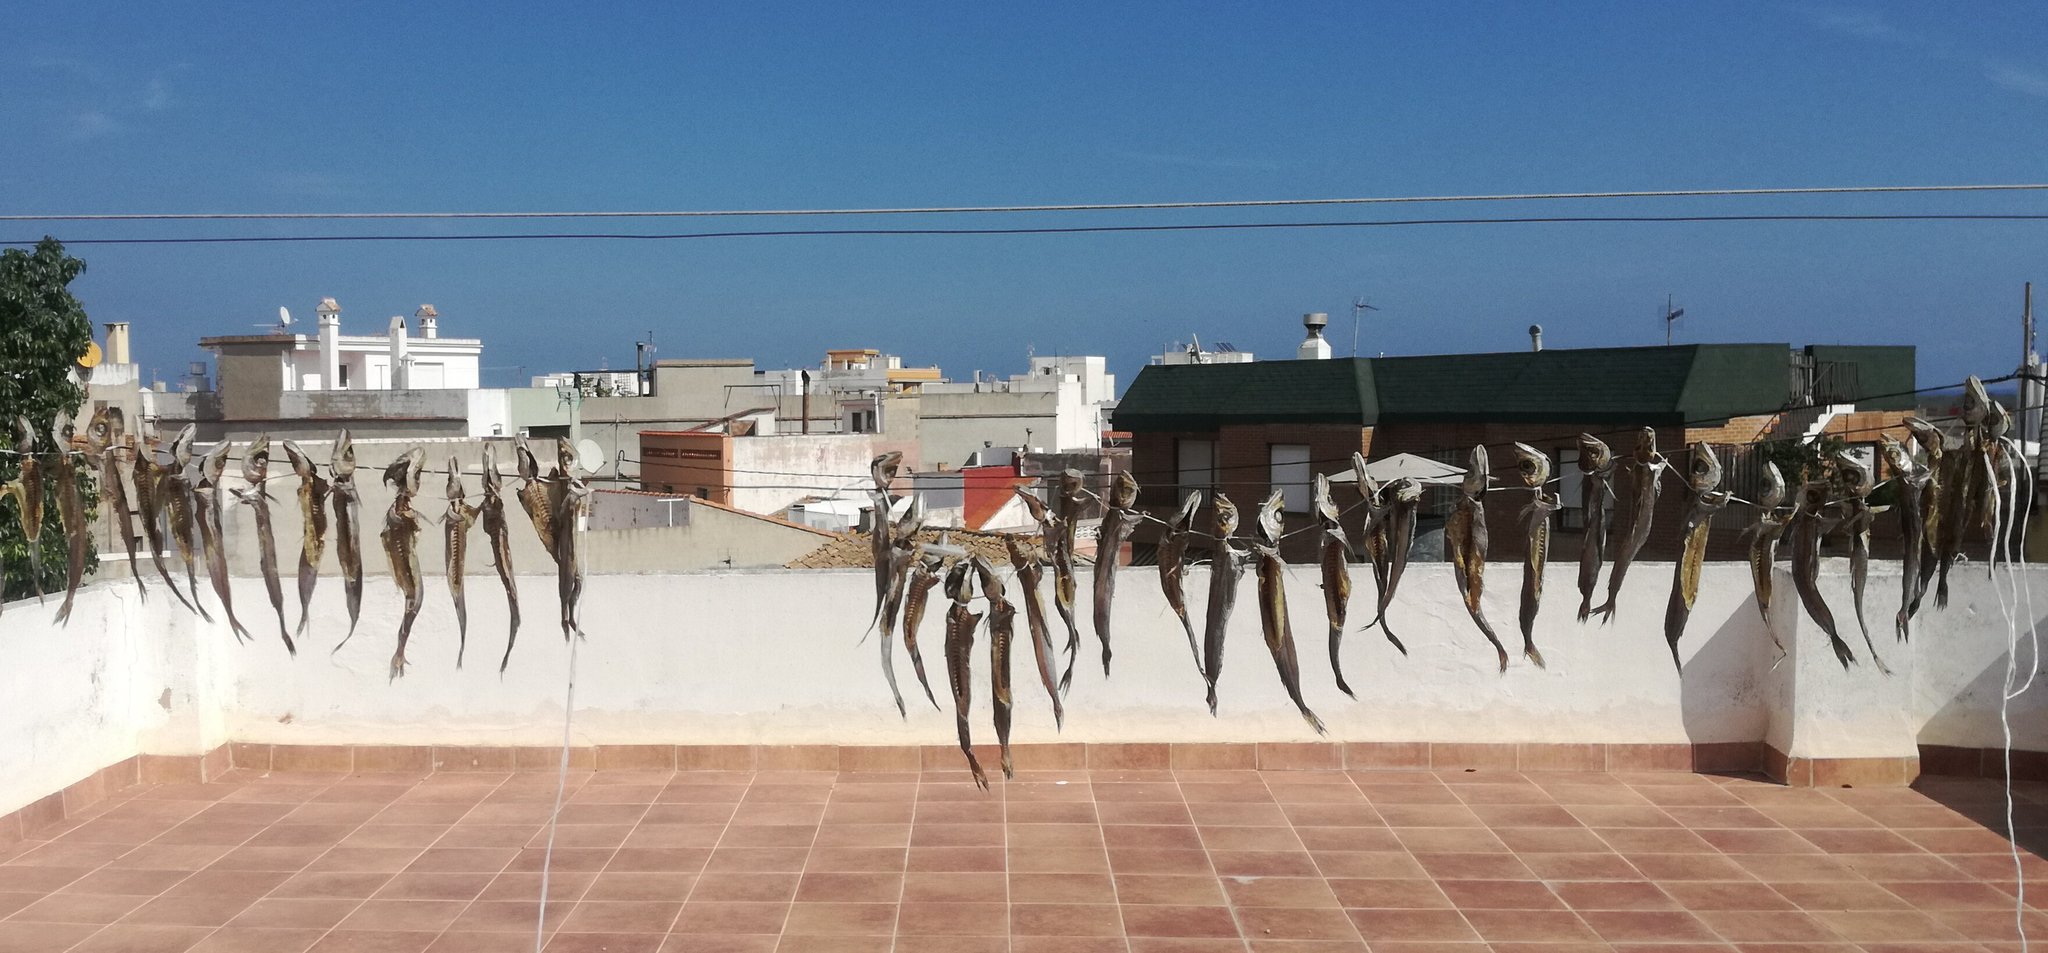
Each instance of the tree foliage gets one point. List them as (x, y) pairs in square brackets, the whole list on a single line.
[(43, 332)]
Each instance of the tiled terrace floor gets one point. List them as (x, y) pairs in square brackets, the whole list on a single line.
[(1103, 862)]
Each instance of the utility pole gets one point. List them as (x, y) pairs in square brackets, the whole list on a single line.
[(1358, 309), (1671, 316)]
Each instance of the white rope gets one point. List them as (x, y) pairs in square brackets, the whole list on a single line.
[(561, 785), (2010, 508), (981, 209)]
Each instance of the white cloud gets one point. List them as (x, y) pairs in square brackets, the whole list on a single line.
[(2019, 79), (1872, 26), (93, 124), (156, 95)]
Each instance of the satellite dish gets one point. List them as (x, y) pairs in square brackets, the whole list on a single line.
[(284, 317), (91, 358), (589, 456)]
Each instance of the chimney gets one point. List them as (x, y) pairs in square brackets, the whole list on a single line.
[(399, 377), (429, 321), (330, 343), (117, 342), (1535, 337), (1314, 348)]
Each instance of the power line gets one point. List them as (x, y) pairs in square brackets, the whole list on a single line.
[(1053, 230), (987, 209)]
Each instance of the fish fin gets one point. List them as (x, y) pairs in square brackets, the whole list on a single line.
[(1903, 623), (1313, 721), (1503, 657), (1212, 700), (1675, 663), (1842, 653), (1337, 663), (1530, 652), (1391, 637)]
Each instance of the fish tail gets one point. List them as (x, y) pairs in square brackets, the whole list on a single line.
[(917, 665), (1310, 717), (1874, 659), (1903, 624), (1067, 678), (290, 647), (1530, 652), (1194, 644), (889, 675), (1337, 662), (1212, 699), (1002, 720), (35, 566), (63, 617), (1388, 631), (1842, 653), (1059, 714), (461, 630), (1675, 662)]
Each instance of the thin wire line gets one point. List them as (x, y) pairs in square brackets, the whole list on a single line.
[(561, 785), (1058, 230), (985, 209)]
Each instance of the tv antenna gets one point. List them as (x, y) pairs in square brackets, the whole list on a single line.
[(1671, 316), (1359, 307)]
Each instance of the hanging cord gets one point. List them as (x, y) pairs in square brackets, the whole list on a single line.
[(554, 817), (2017, 577)]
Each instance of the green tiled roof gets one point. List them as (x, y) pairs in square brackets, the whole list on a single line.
[(1695, 382)]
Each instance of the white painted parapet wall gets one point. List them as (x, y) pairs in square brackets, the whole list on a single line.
[(776, 658)]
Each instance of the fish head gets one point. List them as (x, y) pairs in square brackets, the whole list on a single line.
[(1033, 503), (256, 460), (990, 586), (958, 588), (1997, 420), (415, 463), (883, 469), (455, 492), (1533, 465), (1854, 474), (181, 447), (493, 480), (214, 463), (1224, 522), (1326, 508), (1594, 455), (1188, 505), (1123, 492), (1928, 436), (24, 436), (1368, 487), (1015, 547), (1976, 401), (1476, 473), (1070, 483), (1702, 468), (343, 462), (1405, 491), (301, 464), (529, 468), (1646, 446), (912, 519), (1271, 518), (565, 456), (99, 433), (1896, 456), (60, 432), (394, 472), (1774, 488)]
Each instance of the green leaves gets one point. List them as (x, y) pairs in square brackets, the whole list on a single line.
[(43, 332)]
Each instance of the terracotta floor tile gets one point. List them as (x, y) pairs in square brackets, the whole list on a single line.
[(1260, 863), (1239, 838), (405, 915), (1669, 867), (80, 908), (920, 944), (1840, 895), (1296, 923), (833, 943), (434, 886), (1477, 866), (1654, 840), (508, 916), (42, 937), (1436, 840), (1062, 888), (198, 911), (373, 941), (1613, 895), (284, 913), (1343, 838), (1777, 868), (123, 938), (952, 919), (716, 917), (745, 887), (1169, 889), (1647, 926), (1780, 927), (1529, 926), (1065, 919), (1278, 892), (1392, 926), (1132, 860), (1159, 920), (820, 887), (1154, 836), (1501, 895), (1726, 895), (955, 888), (1885, 926), (141, 883), (238, 940), (1551, 840), (1951, 895), (1367, 864)]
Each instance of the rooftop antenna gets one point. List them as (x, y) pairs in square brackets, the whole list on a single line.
[(1359, 307), (1671, 316)]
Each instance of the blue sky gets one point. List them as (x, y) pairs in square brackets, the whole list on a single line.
[(381, 107)]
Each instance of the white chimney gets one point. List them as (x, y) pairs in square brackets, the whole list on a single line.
[(400, 379), (429, 321), (1535, 337), (330, 343), (117, 342), (1314, 348)]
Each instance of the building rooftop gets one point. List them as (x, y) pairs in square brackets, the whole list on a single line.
[(1693, 382)]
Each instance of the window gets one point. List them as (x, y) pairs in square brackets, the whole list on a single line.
[(1195, 461), (343, 385), (1570, 488), (1290, 475)]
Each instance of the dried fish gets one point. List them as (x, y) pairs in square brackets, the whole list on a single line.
[(401, 544), (499, 532), (1273, 606), (117, 482), (256, 470), (1336, 567), (70, 511), (901, 556), (883, 471), (1465, 539), (1704, 498), (348, 527), (923, 578), (1806, 531), (1933, 503), (1118, 519), (27, 490), (149, 498), (1856, 519), (1173, 567), (534, 498), (960, 625), (1224, 572), (1646, 471), (1404, 499), (1379, 507), (1763, 545), (1064, 587), (181, 506), (1051, 536), (1596, 489), (455, 526), (1030, 573), (568, 502), (210, 500), (1002, 618), (312, 527), (1534, 467)]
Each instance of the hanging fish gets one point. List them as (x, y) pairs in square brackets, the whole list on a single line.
[(1703, 500), (1051, 536), (883, 471), (1806, 530), (1534, 467), (70, 511), (1934, 444), (901, 556), (568, 503), (1224, 572), (1596, 488), (1173, 567), (1027, 561), (1273, 605), (455, 544), (1856, 519), (348, 527), (1763, 546), (535, 499), (923, 578), (1064, 587), (1997, 477), (1118, 519), (1646, 473), (181, 505), (210, 499), (1002, 618), (401, 535), (499, 532), (312, 527), (1378, 506), (117, 482), (960, 624), (1465, 539), (27, 490), (1336, 551), (256, 470), (149, 501), (1404, 500)]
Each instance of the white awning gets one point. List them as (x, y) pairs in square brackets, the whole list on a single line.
[(1420, 469)]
